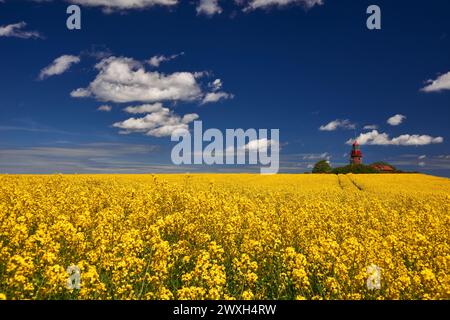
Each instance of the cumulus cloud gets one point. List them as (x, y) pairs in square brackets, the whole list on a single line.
[(59, 66), (370, 127), (439, 84), (216, 85), (156, 61), (382, 139), (337, 124), (259, 145), (145, 108), (208, 7), (17, 30), (104, 108), (216, 96), (396, 120), (422, 157), (160, 122), (122, 80), (263, 4), (255, 145)]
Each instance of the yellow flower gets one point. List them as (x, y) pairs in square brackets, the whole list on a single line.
[(247, 295), (225, 236)]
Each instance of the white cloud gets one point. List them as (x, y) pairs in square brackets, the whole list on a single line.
[(422, 164), (422, 157), (145, 108), (263, 4), (260, 145), (396, 120), (208, 7), (124, 80), (256, 145), (216, 85), (104, 108), (97, 52), (80, 93), (16, 30), (317, 156), (382, 139), (204, 7), (216, 96), (370, 127), (58, 66), (336, 124), (440, 84), (156, 61), (109, 5), (160, 122), (99, 157)]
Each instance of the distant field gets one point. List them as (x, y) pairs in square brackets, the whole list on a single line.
[(218, 236)]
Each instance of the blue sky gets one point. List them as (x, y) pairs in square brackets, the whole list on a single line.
[(309, 68)]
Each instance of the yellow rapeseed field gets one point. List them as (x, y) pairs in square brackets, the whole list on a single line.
[(225, 236)]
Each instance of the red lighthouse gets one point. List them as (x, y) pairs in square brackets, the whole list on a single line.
[(356, 155)]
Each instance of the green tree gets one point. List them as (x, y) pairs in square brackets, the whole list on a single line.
[(354, 168), (322, 167)]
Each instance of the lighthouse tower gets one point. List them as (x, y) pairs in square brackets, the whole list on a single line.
[(356, 155)]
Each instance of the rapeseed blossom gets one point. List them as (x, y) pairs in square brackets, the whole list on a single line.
[(225, 236)]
